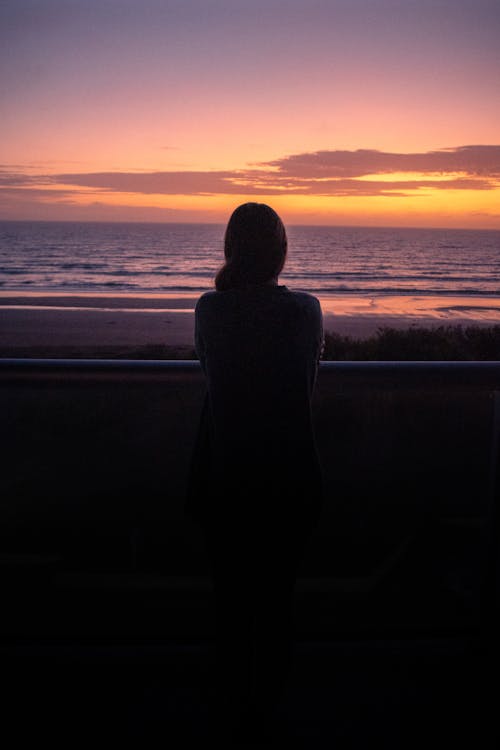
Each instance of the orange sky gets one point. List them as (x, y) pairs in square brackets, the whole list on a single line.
[(359, 112)]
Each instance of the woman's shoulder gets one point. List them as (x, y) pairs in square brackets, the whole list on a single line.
[(307, 301), (215, 301), (212, 307), (207, 301), (305, 298)]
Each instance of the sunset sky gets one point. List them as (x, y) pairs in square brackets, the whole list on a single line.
[(359, 112)]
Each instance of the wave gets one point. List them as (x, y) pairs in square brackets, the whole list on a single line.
[(82, 266), (445, 277), (184, 258), (340, 281), (405, 291), (324, 289)]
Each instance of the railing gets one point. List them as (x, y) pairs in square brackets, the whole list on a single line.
[(391, 374), (96, 455)]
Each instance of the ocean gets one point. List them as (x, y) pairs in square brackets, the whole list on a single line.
[(136, 259)]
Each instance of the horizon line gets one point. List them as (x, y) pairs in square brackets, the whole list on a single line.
[(224, 223)]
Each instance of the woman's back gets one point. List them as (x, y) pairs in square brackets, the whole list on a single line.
[(259, 347)]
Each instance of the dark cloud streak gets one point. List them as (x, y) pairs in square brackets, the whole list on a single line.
[(471, 160), (321, 173), (162, 183)]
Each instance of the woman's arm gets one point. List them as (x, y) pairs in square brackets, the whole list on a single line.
[(319, 340), (199, 344)]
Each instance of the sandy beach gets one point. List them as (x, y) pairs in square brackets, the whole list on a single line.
[(39, 324)]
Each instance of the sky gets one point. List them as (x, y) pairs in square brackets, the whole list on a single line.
[(336, 112)]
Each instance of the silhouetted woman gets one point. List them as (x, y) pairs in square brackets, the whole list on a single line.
[(256, 479)]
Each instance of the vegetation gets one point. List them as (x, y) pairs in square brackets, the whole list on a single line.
[(451, 342), (441, 343)]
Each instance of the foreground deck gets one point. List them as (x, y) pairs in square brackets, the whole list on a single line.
[(107, 622)]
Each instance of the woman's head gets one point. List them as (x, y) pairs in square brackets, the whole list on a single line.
[(255, 247)]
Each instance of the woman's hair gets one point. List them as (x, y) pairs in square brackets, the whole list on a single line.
[(255, 246)]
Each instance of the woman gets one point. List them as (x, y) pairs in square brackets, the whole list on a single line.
[(256, 479)]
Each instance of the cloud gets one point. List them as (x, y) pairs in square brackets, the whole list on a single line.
[(22, 192), (10, 179), (321, 173), (163, 183), (288, 184), (481, 161)]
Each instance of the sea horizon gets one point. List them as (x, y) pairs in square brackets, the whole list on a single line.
[(141, 258), (438, 228)]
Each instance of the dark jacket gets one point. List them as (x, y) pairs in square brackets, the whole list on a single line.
[(255, 456)]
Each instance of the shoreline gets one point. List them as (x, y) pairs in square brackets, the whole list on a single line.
[(70, 322)]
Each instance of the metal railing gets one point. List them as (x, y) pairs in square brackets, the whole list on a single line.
[(484, 375)]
